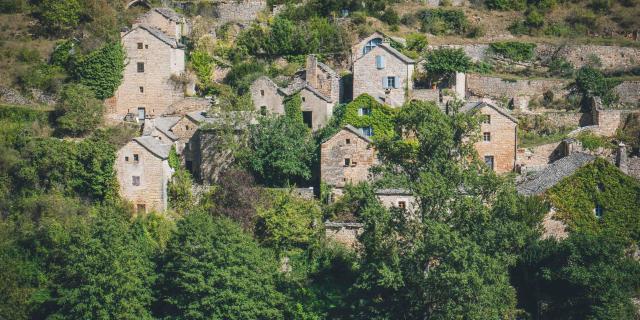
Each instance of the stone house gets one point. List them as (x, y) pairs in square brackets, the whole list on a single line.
[(147, 88), (143, 173), (397, 198), (165, 20), (317, 108), (365, 45), (267, 97), (322, 78), (498, 136), (384, 73), (346, 158)]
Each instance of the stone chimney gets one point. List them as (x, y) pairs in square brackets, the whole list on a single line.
[(621, 158), (312, 70)]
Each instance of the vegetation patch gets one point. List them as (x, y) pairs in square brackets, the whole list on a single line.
[(514, 50), (365, 111)]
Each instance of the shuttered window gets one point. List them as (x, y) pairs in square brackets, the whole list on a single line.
[(380, 62)]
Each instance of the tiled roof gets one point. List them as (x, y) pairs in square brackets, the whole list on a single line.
[(317, 93), (470, 106), (394, 52), (554, 173), (154, 146), (357, 132)]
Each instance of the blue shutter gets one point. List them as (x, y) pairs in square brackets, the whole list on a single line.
[(384, 82), (380, 62), (397, 82)]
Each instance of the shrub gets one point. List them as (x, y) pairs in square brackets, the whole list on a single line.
[(28, 55), (58, 17), (416, 42), (202, 63), (359, 18), (44, 77), (592, 82), (517, 51), (443, 21), (601, 6), (534, 19), (475, 31), (390, 17), (518, 28), (78, 111), (505, 4), (62, 54), (409, 19), (101, 70), (593, 142), (560, 67)]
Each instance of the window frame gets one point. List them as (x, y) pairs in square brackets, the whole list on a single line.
[(486, 136), (136, 181), (140, 67), (347, 162), (492, 161)]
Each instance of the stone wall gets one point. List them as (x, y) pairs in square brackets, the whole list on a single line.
[(607, 121), (184, 129), (322, 78), (502, 145), (238, 10), (345, 233), (154, 175), (426, 95), (320, 109), (392, 200), (494, 87), (333, 153), (264, 93), (538, 157), (568, 119), (367, 78), (633, 167), (629, 92), (152, 89)]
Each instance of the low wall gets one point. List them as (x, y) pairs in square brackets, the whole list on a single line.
[(238, 11), (425, 94), (343, 232), (629, 92), (537, 157), (494, 87)]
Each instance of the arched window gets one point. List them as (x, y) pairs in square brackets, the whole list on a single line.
[(371, 44)]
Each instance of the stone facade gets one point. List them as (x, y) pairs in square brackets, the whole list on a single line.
[(165, 20), (322, 78), (629, 93), (538, 157), (385, 74), (346, 158), (242, 11), (397, 198), (266, 96), (147, 89), (143, 173), (496, 88), (498, 136), (319, 106), (345, 233)]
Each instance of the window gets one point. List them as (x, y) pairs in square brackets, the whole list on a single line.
[(126, 159), (136, 158), (364, 111), (488, 160), (139, 45), (140, 66), (262, 93), (141, 208), (146, 46), (598, 211), (380, 62), (347, 141), (353, 163), (307, 117), (135, 180), (367, 131), (141, 113), (263, 110), (303, 99), (371, 44), (486, 136), (402, 205), (347, 162), (186, 127), (390, 82), (141, 89), (486, 119)]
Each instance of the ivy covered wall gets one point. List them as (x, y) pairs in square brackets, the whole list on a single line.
[(599, 184), (380, 119)]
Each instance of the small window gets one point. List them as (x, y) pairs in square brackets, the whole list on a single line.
[(262, 93), (139, 45), (379, 62), (486, 136), (488, 160), (486, 119), (364, 111), (136, 158), (263, 110), (347, 141), (303, 99), (391, 82), (135, 180), (347, 162), (367, 131), (140, 66), (126, 159), (141, 89), (146, 46), (402, 204), (353, 163), (141, 208)]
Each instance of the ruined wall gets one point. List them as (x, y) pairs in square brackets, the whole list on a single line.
[(265, 93), (154, 175), (633, 167), (629, 92), (157, 20), (320, 109), (184, 129), (345, 233), (333, 170), (494, 87), (568, 118), (238, 10), (503, 140), (425, 94), (393, 200), (538, 157), (322, 78)]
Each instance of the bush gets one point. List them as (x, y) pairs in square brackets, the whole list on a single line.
[(592, 82), (601, 6), (475, 31), (390, 17), (359, 18), (58, 17), (534, 19), (443, 63), (409, 19), (505, 4), (416, 42), (560, 67), (78, 111), (101, 70), (516, 51), (28, 55), (443, 21), (202, 63), (518, 28), (44, 77)]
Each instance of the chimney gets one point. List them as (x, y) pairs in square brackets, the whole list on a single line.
[(621, 158), (311, 68)]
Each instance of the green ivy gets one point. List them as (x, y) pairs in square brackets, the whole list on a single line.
[(293, 107), (514, 50), (174, 160), (380, 119), (601, 183), (101, 70)]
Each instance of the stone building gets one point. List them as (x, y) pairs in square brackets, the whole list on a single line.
[(317, 108), (346, 158), (384, 73), (498, 136), (143, 173), (397, 198), (267, 97), (165, 20), (147, 88), (321, 77), (365, 45), (161, 129)]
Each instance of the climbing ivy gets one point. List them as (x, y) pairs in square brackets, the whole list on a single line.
[(602, 184), (380, 119), (174, 160), (293, 107), (101, 70)]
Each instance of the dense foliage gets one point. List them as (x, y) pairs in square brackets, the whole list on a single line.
[(78, 111), (443, 21), (591, 82), (380, 117), (516, 51), (101, 70), (443, 63)]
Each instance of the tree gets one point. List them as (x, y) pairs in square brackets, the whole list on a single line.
[(101, 70), (288, 222), (103, 272), (282, 151), (79, 112), (179, 191), (236, 196), (591, 82), (214, 270), (442, 63), (58, 17)]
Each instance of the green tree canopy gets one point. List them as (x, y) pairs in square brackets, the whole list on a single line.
[(58, 17), (213, 270), (79, 112), (442, 63), (101, 70)]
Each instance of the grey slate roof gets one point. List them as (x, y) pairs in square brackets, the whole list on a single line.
[(394, 52), (393, 192), (554, 173), (154, 146), (357, 132), (168, 13), (470, 106), (158, 34), (317, 93), (164, 124), (326, 68)]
